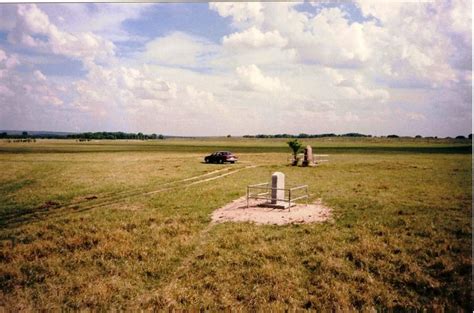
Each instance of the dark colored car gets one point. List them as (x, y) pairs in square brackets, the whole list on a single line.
[(221, 157)]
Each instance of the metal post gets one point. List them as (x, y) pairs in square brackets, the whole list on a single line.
[(289, 200), (247, 197), (307, 196)]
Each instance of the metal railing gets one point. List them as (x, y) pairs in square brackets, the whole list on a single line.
[(317, 158), (289, 194)]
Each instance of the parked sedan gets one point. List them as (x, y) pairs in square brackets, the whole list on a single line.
[(221, 157)]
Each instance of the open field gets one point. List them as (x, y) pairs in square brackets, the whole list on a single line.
[(126, 224)]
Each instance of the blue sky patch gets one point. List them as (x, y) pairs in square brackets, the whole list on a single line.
[(192, 18)]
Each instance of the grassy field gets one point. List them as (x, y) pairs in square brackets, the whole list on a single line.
[(126, 225)]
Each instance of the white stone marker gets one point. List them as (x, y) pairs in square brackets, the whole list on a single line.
[(308, 156), (278, 181)]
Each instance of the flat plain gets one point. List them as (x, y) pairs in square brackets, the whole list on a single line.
[(126, 225)]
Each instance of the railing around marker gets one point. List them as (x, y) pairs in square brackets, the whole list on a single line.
[(267, 194)]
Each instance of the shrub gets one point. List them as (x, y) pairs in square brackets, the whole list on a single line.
[(295, 147)]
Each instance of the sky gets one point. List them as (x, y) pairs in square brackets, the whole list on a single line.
[(218, 68)]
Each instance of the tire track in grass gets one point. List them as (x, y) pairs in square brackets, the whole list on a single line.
[(109, 196), (119, 199), (76, 207), (132, 191), (172, 187), (206, 180)]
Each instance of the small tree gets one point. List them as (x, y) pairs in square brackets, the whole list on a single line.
[(295, 147)]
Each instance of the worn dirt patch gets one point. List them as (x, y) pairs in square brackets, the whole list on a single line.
[(237, 211)]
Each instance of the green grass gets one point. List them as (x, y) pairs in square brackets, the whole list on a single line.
[(400, 237), (244, 145)]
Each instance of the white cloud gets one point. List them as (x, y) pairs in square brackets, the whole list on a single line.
[(326, 38), (411, 47), (358, 88), (39, 76), (254, 38), (243, 13), (251, 78), (412, 44), (406, 63), (104, 19), (137, 90), (7, 63), (415, 116), (420, 41), (32, 23), (25, 96), (179, 49), (32, 20), (330, 39), (351, 117)]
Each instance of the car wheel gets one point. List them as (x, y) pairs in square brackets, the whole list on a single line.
[(232, 162)]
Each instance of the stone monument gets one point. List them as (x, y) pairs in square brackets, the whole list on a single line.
[(308, 156), (278, 192)]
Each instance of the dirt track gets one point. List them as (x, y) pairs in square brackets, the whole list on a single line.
[(237, 211)]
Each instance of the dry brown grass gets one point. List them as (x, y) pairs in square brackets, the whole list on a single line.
[(400, 239)]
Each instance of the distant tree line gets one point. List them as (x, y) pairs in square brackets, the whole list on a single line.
[(140, 136), (114, 135), (24, 136), (303, 135), (17, 138)]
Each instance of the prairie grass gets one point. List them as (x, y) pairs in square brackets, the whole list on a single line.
[(118, 225)]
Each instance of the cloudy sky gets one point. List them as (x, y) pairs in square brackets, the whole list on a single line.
[(238, 68)]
